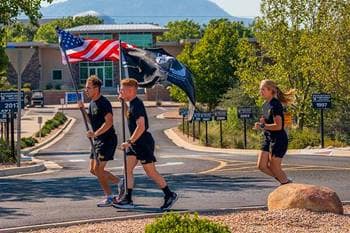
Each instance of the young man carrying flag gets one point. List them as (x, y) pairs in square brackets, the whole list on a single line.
[(105, 139), (140, 146)]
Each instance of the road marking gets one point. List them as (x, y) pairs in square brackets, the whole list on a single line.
[(76, 160), (221, 165), (159, 165), (162, 108)]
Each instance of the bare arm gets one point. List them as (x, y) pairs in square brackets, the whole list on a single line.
[(140, 128), (105, 126), (276, 125)]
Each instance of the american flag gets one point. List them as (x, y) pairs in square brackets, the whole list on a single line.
[(80, 49)]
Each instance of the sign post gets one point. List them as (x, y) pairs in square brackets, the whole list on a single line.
[(62, 103), (19, 58), (322, 101), (203, 117), (40, 121), (183, 112), (220, 115), (245, 113)]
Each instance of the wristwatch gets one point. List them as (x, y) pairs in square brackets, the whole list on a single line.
[(262, 125)]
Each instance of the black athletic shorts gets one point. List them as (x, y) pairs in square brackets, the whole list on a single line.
[(105, 148), (277, 144), (143, 149)]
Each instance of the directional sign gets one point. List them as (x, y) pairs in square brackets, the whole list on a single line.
[(321, 101), (220, 115), (72, 98), (8, 102), (183, 112), (245, 112)]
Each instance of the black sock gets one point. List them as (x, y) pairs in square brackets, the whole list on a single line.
[(167, 191), (129, 195)]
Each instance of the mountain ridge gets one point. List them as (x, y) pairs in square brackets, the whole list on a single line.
[(141, 11)]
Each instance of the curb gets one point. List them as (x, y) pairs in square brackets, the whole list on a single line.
[(40, 167), (133, 217), (177, 140), (122, 218), (180, 142), (23, 170), (50, 139)]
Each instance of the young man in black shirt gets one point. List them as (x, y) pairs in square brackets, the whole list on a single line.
[(105, 139), (140, 146)]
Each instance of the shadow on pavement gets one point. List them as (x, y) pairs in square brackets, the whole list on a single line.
[(84, 188)]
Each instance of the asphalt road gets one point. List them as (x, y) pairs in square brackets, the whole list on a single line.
[(204, 181)]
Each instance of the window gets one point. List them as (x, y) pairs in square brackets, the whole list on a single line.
[(57, 75), (142, 40), (103, 70)]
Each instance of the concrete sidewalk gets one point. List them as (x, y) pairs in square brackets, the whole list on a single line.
[(29, 121)]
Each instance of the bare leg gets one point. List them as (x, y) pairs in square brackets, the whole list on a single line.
[(276, 168), (112, 178), (152, 173), (100, 173), (131, 164), (263, 163)]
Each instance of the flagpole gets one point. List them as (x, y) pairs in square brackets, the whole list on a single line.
[(82, 110), (123, 117)]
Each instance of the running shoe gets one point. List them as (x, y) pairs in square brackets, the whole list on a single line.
[(169, 201), (106, 202), (124, 204)]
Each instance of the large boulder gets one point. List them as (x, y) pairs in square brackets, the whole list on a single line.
[(303, 196)]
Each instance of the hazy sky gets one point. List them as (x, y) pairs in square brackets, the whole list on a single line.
[(247, 8)]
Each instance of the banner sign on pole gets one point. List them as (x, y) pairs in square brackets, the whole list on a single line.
[(8, 102), (245, 112), (321, 101), (220, 115), (72, 98), (183, 112)]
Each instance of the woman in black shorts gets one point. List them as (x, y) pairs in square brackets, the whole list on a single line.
[(275, 143)]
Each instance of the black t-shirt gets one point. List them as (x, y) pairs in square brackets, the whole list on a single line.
[(136, 110), (98, 109), (270, 110)]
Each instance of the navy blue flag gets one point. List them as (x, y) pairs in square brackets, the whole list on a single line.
[(151, 66)]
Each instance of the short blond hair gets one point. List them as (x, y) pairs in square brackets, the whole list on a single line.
[(130, 82), (96, 82)]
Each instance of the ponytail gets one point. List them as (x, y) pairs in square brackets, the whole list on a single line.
[(285, 98)]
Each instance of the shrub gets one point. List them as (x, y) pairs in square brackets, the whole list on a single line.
[(28, 142), (52, 124), (58, 87), (175, 223), (49, 86), (5, 153)]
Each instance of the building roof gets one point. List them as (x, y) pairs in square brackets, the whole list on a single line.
[(117, 28), (30, 44)]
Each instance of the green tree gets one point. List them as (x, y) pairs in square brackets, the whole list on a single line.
[(213, 61), (182, 29), (10, 9), (298, 47), (47, 32), (20, 32)]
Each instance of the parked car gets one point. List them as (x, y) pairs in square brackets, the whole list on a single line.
[(37, 98)]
